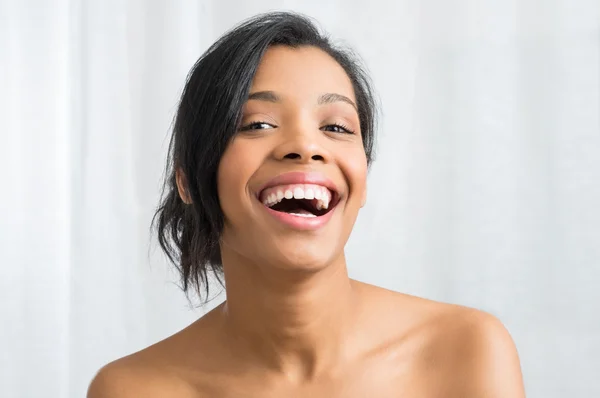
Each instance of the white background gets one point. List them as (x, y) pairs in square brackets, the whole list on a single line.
[(486, 190)]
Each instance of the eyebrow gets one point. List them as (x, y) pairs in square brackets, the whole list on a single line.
[(268, 96), (329, 98)]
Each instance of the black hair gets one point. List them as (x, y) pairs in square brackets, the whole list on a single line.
[(207, 119)]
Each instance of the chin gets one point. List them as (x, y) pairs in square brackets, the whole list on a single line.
[(305, 257)]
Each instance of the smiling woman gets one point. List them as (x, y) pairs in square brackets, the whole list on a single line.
[(267, 173)]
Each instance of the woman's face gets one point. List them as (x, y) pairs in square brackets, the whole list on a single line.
[(292, 180)]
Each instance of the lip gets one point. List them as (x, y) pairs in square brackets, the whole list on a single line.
[(297, 222)]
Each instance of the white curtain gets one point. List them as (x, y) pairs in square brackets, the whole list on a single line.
[(486, 190)]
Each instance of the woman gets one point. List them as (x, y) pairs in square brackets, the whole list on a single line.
[(272, 141)]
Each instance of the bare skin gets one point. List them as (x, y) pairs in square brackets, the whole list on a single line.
[(294, 324)]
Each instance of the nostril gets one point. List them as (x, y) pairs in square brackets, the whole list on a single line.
[(293, 155)]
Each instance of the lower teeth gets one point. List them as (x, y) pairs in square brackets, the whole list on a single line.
[(303, 214)]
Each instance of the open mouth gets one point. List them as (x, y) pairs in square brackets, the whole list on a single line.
[(302, 200)]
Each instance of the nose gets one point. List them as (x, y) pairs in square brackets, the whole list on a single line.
[(301, 149)]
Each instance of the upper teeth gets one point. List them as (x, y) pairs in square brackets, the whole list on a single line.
[(272, 196)]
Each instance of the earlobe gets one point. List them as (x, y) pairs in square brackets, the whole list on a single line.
[(182, 186), (363, 201)]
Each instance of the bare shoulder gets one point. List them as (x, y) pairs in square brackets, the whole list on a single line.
[(138, 375), (478, 352), (467, 351), (169, 368)]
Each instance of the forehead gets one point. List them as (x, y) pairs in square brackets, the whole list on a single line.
[(303, 73)]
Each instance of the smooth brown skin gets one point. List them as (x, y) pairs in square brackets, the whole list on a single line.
[(294, 324)]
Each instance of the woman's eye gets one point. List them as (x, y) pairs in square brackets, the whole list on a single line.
[(337, 128), (257, 126)]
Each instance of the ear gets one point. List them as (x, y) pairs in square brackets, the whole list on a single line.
[(182, 186), (363, 200)]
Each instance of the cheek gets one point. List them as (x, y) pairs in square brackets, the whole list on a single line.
[(235, 169), (356, 169)]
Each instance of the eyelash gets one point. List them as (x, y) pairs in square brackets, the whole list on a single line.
[(251, 126), (345, 129)]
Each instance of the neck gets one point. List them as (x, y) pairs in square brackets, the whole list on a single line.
[(294, 322)]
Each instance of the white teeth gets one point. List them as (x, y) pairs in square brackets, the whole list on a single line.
[(303, 215), (298, 193), (323, 203), (310, 192)]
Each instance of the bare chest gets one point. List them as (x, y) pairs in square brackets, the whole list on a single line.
[(378, 382)]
